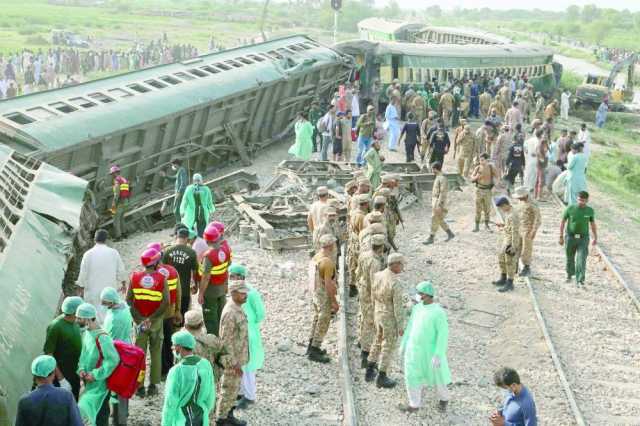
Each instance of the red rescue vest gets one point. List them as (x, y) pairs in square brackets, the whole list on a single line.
[(121, 183), (147, 291), (220, 260), (171, 275)]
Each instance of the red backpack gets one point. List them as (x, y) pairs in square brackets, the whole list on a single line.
[(129, 373)]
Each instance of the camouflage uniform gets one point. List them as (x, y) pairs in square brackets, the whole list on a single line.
[(211, 348), (511, 237), (483, 197), (389, 317), (368, 232), (356, 226), (438, 203), (326, 228), (234, 336), (467, 150), (499, 107), (321, 300), (369, 263), (485, 101), (529, 218)]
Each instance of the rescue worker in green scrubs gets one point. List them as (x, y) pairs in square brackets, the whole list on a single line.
[(94, 401)]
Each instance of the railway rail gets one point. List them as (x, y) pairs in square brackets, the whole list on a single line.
[(589, 331)]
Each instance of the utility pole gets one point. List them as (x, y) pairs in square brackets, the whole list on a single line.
[(336, 5)]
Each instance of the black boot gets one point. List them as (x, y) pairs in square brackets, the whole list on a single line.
[(477, 228), (324, 352), (450, 235), (244, 403), (353, 291), (442, 406), (384, 382), (507, 287), (231, 420), (152, 390), (141, 393), (501, 281), (316, 355), (526, 271), (428, 240), (371, 372), (364, 355)]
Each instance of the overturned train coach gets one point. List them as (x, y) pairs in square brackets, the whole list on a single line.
[(45, 223), (207, 111)]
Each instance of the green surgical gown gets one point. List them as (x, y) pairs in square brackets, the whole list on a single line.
[(254, 309)]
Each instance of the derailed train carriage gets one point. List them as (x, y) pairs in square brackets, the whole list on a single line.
[(413, 64), (208, 111), (44, 223)]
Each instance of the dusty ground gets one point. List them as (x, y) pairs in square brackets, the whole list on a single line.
[(487, 329)]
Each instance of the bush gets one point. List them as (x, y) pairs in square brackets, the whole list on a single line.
[(28, 31), (37, 40)]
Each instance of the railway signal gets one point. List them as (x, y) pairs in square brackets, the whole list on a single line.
[(336, 4)]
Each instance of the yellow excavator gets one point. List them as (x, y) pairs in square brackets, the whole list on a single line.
[(598, 87)]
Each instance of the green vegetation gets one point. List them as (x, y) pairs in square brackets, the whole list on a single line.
[(618, 173), (570, 80)]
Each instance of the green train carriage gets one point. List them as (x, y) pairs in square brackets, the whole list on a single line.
[(413, 64)]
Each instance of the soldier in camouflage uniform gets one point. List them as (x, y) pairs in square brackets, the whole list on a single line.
[(466, 149), (379, 207), (234, 336), (324, 298), (510, 247), (370, 262), (356, 226), (329, 226), (484, 176), (439, 204), (485, 101), (389, 320), (529, 218)]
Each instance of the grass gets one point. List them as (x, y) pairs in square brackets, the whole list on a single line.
[(618, 174), (570, 80)]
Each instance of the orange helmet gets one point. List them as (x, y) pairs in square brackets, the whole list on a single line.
[(149, 257), (211, 234)]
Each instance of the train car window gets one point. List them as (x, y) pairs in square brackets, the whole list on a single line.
[(82, 102), (294, 47), (120, 93), (210, 69), (170, 80), (184, 76), (395, 65), (156, 84), (233, 63), (410, 78), (100, 97), (63, 107), (304, 46), (138, 88), (312, 43), (223, 67), (256, 58), (285, 52), (41, 113), (275, 54), (419, 75), (198, 73), (244, 60)]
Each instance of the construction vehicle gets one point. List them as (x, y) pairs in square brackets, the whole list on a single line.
[(596, 88)]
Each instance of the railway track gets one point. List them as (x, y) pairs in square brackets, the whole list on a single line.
[(591, 332)]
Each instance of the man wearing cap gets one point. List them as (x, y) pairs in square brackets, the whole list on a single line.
[(389, 320), (530, 220), (501, 150), (197, 205), (510, 247), (316, 211), (374, 161), (190, 392), (121, 194), (356, 226), (119, 324), (364, 187), (578, 219), (46, 404), (184, 259), (329, 226), (234, 334), (424, 345), (148, 298), (485, 101), (181, 180), (101, 267), (370, 262), (343, 137), (97, 345), (439, 143), (255, 311), (513, 115), (364, 129), (439, 204), (64, 342), (324, 298), (484, 177)]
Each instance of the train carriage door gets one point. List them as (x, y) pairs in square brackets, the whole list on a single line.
[(395, 66)]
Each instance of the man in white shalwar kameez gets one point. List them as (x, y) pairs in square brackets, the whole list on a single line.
[(564, 105), (101, 267), (530, 160)]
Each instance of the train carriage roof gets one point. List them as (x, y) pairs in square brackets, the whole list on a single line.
[(36, 121), (443, 50), (469, 32), (387, 26)]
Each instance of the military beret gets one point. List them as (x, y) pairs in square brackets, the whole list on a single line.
[(395, 258), (327, 240)]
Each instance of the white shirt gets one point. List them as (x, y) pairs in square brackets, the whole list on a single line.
[(101, 267), (199, 246), (584, 136), (564, 99), (355, 105)]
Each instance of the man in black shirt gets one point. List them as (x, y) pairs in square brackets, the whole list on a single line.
[(182, 257), (411, 134), (515, 161), (439, 144)]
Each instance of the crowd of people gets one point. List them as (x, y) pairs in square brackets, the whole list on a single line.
[(28, 71)]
